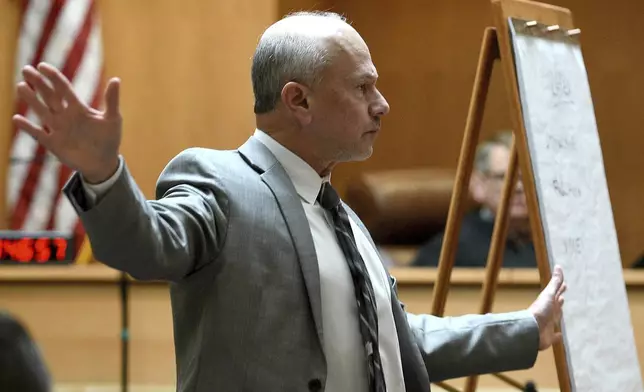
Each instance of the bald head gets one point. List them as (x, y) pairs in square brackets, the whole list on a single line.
[(297, 48), (315, 89)]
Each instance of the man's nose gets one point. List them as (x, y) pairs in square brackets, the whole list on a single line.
[(519, 185), (380, 107)]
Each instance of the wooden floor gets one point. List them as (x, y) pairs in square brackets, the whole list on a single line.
[(112, 388), (149, 388)]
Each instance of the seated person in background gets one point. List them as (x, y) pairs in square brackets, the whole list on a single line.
[(486, 186), (22, 367)]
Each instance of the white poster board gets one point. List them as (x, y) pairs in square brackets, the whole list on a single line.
[(575, 208)]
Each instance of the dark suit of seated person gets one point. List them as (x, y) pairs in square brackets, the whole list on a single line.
[(22, 368), (486, 186), (639, 263)]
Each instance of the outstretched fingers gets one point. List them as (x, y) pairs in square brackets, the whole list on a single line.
[(29, 96), (61, 85), (36, 131), (39, 84)]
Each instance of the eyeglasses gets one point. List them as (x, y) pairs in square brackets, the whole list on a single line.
[(499, 177)]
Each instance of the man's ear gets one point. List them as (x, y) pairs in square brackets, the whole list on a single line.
[(295, 97)]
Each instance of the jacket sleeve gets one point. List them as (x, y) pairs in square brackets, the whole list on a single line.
[(454, 347), (162, 239)]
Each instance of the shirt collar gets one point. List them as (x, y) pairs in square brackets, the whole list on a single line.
[(486, 214), (306, 180)]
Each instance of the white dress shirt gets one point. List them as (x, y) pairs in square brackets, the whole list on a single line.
[(343, 346)]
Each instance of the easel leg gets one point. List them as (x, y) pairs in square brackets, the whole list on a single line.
[(497, 246), (489, 53)]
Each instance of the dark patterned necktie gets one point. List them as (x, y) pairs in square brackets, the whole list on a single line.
[(329, 200)]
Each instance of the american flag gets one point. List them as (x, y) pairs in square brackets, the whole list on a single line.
[(67, 35)]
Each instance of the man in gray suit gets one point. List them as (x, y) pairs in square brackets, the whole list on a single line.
[(275, 283)]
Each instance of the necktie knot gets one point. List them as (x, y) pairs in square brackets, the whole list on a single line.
[(328, 197)]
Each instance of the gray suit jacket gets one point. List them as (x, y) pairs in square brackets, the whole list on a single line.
[(229, 233)]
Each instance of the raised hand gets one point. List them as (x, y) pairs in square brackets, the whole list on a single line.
[(547, 309), (83, 138)]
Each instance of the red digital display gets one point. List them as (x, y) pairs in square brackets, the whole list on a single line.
[(18, 248)]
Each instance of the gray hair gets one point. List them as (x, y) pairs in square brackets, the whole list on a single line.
[(288, 55), (482, 157)]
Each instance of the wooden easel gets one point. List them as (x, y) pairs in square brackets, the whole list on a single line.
[(496, 45)]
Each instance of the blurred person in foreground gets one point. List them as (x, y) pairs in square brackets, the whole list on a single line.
[(22, 367)]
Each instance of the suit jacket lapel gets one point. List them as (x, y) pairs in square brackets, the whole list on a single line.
[(276, 178)]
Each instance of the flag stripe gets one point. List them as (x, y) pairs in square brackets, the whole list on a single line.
[(79, 44), (58, 47), (65, 34), (66, 30), (47, 29), (29, 188), (88, 85), (37, 211), (35, 13)]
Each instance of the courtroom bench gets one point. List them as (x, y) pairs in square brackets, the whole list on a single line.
[(74, 313)]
